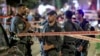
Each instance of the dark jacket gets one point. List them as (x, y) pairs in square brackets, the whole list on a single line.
[(70, 26), (54, 40), (86, 27)]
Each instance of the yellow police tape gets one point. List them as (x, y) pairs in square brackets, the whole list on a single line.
[(77, 34)]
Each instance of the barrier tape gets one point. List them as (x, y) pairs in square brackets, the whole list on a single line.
[(85, 38), (5, 23), (71, 34), (2, 17), (29, 22), (61, 33)]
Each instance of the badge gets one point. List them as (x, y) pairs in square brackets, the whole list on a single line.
[(20, 26)]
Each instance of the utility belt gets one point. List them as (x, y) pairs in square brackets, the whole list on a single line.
[(67, 45), (72, 43)]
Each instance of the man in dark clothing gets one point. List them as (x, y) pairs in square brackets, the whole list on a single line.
[(82, 45), (68, 47), (52, 45), (37, 16), (20, 25)]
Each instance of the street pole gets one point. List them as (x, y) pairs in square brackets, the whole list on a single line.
[(58, 3), (53, 2), (21, 1), (98, 4)]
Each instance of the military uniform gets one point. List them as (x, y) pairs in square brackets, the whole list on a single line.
[(54, 40), (86, 27), (18, 27), (68, 47)]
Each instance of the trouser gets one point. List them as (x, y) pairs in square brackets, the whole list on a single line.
[(68, 49), (28, 46), (68, 52), (81, 53)]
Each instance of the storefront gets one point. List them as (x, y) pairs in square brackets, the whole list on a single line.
[(3, 7)]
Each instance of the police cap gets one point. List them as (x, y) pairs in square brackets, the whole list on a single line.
[(52, 12)]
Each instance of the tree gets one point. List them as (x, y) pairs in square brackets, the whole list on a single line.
[(12, 2), (2, 1), (63, 2), (29, 3)]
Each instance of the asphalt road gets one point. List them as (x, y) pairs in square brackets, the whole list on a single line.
[(36, 49)]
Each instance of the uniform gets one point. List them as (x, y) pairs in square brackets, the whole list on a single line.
[(18, 27), (86, 27), (54, 40), (68, 47)]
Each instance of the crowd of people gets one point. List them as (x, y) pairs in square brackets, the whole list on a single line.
[(50, 45)]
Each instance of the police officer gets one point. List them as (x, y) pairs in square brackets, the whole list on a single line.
[(82, 45), (20, 25), (68, 47), (52, 45)]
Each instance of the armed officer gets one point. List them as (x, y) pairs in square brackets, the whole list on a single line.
[(20, 25), (68, 47), (52, 45), (82, 45)]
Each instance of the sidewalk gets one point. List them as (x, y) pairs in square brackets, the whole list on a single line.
[(36, 47)]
